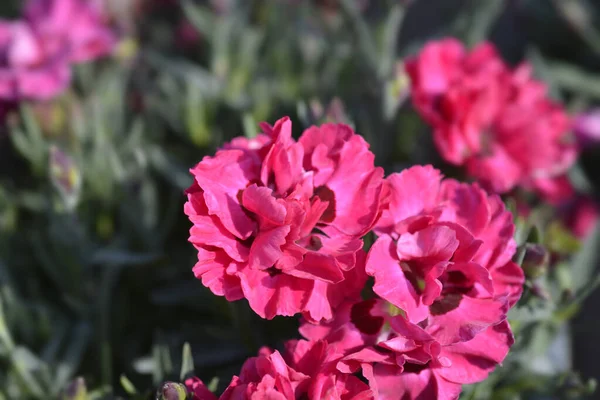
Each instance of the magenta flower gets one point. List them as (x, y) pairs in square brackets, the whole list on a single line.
[(444, 256), (281, 224), (443, 271), (30, 67), (403, 360), (76, 24), (266, 377), (497, 122), (318, 360)]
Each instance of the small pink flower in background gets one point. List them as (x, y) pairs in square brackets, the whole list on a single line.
[(30, 67), (581, 215), (186, 35), (36, 52), (77, 24), (497, 122), (280, 222), (587, 128)]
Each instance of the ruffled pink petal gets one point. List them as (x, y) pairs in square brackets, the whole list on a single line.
[(208, 230), (412, 192), (472, 361), (211, 268), (279, 294), (222, 178), (391, 283), (457, 318)]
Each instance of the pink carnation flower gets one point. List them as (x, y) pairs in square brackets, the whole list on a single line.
[(280, 222), (77, 24), (266, 377), (497, 122), (445, 255), (443, 272), (403, 361), (318, 360), (30, 66)]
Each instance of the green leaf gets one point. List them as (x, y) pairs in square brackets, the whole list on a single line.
[(201, 17), (484, 15), (585, 263), (127, 385), (187, 362), (391, 31)]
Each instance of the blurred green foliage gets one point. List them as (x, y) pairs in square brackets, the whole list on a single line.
[(95, 268)]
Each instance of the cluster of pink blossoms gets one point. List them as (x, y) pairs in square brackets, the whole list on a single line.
[(281, 223), (497, 122), (36, 52)]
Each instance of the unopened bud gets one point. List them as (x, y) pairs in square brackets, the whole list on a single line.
[(173, 391), (76, 390), (535, 261), (65, 177)]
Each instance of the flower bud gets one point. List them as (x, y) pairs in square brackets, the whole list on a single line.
[(65, 177), (173, 391), (535, 261), (76, 390)]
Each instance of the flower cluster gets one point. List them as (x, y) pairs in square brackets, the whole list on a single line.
[(37, 51), (281, 223), (497, 122)]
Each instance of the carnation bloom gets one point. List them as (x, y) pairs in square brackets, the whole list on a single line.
[(318, 360), (77, 24), (443, 271), (280, 222), (497, 122), (445, 254), (266, 377), (31, 67), (403, 361)]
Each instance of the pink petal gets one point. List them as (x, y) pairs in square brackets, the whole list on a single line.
[(266, 247), (472, 361), (390, 282), (260, 200), (274, 295), (412, 192), (221, 178), (435, 243), (211, 269), (456, 318)]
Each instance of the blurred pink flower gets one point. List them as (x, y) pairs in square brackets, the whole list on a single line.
[(497, 122), (581, 215), (30, 67), (587, 128), (280, 222), (77, 24)]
